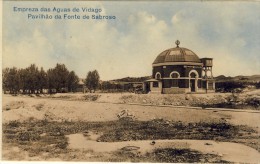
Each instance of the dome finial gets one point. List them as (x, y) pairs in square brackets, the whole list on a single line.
[(177, 43)]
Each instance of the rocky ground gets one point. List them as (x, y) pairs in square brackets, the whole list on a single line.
[(109, 127)]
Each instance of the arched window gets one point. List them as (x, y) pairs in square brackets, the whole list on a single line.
[(193, 80), (175, 82), (158, 75), (193, 74), (174, 74)]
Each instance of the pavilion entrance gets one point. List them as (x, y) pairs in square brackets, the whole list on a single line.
[(192, 85)]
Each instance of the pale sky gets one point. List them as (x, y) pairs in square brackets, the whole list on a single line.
[(228, 32)]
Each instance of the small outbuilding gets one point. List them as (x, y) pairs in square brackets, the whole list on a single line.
[(180, 70)]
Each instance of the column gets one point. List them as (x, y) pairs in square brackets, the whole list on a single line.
[(196, 84)]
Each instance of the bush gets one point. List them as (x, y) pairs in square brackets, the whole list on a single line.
[(176, 155), (92, 97), (14, 124), (62, 145), (28, 136), (167, 155), (254, 101), (257, 85), (229, 86), (56, 131)]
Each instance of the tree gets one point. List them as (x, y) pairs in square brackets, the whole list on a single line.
[(51, 79), (41, 80), (61, 77), (73, 81), (31, 81), (92, 80), (11, 80), (106, 85), (57, 78), (5, 76), (28, 80), (23, 76)]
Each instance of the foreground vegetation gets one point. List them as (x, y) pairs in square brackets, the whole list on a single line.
[(39, 137), (167, 155)]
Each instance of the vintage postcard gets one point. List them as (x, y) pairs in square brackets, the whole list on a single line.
[(131, 81)]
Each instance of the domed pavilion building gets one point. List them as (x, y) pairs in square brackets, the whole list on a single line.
[(180, 70)]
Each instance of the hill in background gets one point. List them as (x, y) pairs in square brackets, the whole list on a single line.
[(220, 78), (132, 79), (253, 78)]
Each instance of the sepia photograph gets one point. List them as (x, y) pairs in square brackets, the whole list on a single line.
[(131, 81)]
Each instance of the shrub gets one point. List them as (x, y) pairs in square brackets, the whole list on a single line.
[(62, 145), (257, 85), (254, 101), (56, 131), (28, 136), (92, 97), (39, 106), (14, 124), (229, 86)]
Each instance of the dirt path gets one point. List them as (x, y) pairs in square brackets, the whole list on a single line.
[(232, 152)]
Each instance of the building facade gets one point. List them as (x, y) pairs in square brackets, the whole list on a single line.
[(180, 70)]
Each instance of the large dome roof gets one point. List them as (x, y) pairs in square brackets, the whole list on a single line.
[(177, 54)]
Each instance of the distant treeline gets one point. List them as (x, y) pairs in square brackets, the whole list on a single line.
[(110, 87), (34, 80)]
